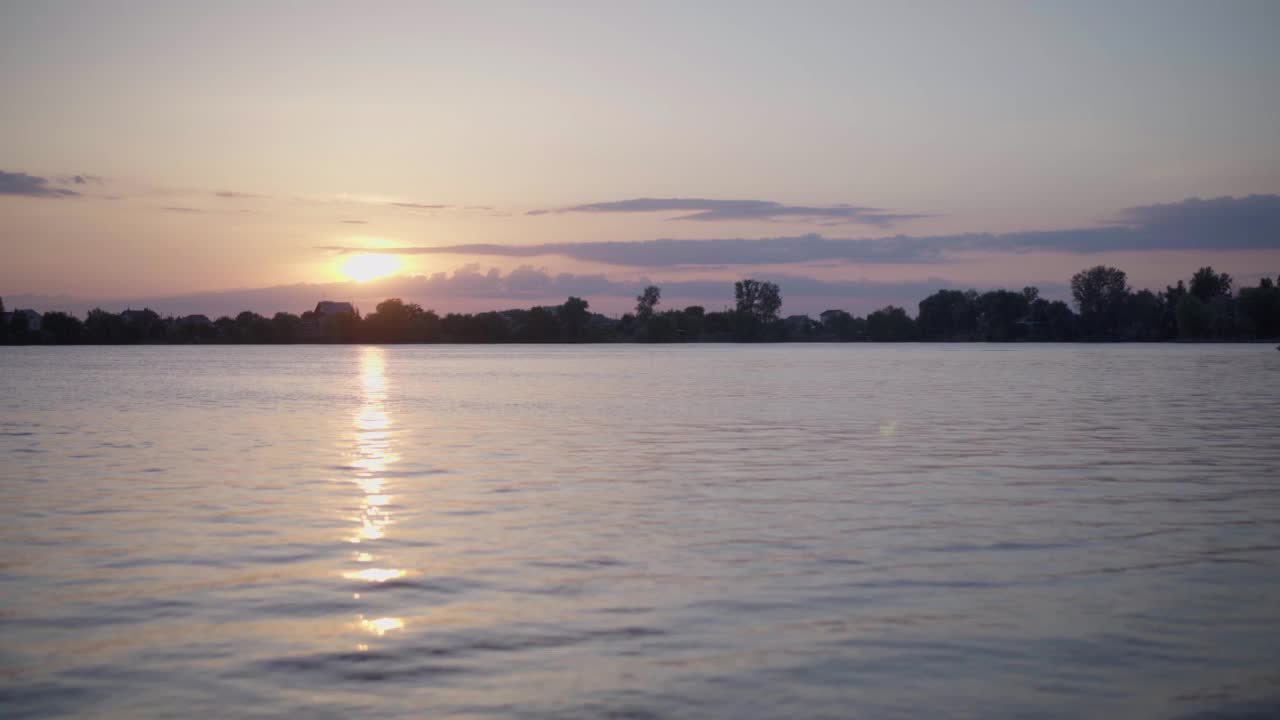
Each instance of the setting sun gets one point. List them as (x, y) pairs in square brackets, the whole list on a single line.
[(368, 267)]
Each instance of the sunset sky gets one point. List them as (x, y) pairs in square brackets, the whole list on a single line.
[(239, 155)]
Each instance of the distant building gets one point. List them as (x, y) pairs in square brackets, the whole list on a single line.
[(324, 323), (832, 316), (328, 308), (797, 324), (33, 318), (134, 316), (201, 320), (600, 323)]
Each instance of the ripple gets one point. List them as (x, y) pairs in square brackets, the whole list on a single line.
[(640, 532)]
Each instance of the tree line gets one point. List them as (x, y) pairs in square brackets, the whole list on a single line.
[(1105, 309)]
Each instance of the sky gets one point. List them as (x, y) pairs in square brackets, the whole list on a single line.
[(251, 155)]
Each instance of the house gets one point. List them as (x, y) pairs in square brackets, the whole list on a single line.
[(323, 323), (139, 316), (831, 317), (598, 323), (198, 320), (33, 318), (329, 308), (797, 325)]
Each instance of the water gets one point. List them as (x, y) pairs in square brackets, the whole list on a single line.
[(640, 532)]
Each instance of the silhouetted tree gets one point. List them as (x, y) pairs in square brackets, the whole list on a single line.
[(1195, 319), (194, 329), (645, 327), (253, 328), (1142, 317), (396, 321), (646, 301), (286, 328), (18, 328), (1000, 313), (890, 324), (485, 327), (1108, 310), (718, 325), (948, 315), (1260, 308), (1207, 284), (574, 315), (61, 328), (840, 325), (756, 306), (226, 330), (102, 327), (1170, 298), (1052, 321), (691, 322), (1100, 293), (541, 325), (759, 300)]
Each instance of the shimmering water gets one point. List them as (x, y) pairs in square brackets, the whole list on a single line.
[(630, 531)]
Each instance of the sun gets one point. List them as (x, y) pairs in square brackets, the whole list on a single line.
[(361, 268)]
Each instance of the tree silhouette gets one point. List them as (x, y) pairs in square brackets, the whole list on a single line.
[(646, 301), (756, 306), (1207, 284), (1000, 312), (573, 318), (890, 324), (62, 328), (1194, 317), (948, 315), (1100, 293), (1109, 310), (759, 300)]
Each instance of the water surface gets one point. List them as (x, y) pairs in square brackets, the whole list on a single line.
[(644, 532)]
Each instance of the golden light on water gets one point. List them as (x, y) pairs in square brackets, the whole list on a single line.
[(371, 457), (373, 452), (377, 575), (368, 266), (381, 626)]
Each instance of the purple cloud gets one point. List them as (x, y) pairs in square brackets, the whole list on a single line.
[(1249, 223), (31, 186), (707, 210)]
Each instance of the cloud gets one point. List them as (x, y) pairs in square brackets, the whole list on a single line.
[(670, 252), (232, 195), (736, 251), (706, 210), (419, 206), (31, 186), (181, 209), (354, 222), (1253, 220), (1249, 223)]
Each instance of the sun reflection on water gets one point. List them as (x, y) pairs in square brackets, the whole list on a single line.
[(380, 626), (372, 456), (373, 451), (377, 575)]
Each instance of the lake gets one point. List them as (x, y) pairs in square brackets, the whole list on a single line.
[(713, 531)]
